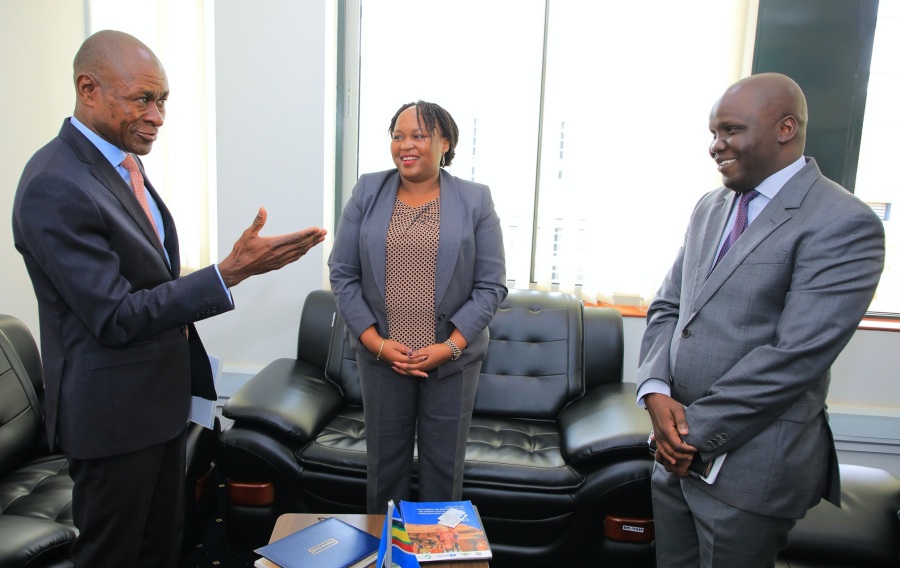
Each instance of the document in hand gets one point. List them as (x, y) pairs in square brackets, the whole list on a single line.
[(328, 544), (445, 530), (707, 471)]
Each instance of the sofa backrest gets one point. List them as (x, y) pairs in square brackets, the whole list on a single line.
[(534, 363), (604, 346), (21, 415), (341, 368), (316, 320), (545, 350)]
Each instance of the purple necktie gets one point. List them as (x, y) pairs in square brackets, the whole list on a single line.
[(740, 223)]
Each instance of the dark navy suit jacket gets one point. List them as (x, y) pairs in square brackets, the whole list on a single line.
[(119, 370)]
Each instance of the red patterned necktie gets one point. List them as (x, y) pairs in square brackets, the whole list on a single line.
[(740, 223), (137, 184)]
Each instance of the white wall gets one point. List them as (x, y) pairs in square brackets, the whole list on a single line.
[(270, 101), (273, 113), (38, 41)]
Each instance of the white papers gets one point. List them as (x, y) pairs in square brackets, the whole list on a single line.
[(203, 411), (452, 517), (713, 470)]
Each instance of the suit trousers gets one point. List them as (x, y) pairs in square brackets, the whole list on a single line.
[(407, 414), (694, 529), (129, 508)]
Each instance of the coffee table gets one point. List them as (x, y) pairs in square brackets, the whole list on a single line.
[(289, 523)]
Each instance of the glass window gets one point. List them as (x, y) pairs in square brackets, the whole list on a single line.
[(182, 164), (629, 87), (876, 175), (482, 62), (593, 114)]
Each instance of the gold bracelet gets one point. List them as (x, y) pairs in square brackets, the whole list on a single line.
[(378, 357)]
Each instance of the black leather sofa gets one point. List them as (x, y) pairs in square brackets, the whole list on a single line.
[(863, 533), (36, 527), (557, 444)]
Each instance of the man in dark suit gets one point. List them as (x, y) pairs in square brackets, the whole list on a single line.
[(121, 354), (740, 337)]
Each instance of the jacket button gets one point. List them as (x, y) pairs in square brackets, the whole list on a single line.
[(441, 317), (685, 333)]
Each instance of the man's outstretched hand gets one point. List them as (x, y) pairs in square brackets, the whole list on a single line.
[(253, 254)]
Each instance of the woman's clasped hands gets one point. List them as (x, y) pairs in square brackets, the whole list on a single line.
[(405, 361)]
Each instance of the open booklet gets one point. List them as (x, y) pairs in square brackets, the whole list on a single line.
[(445, 530)]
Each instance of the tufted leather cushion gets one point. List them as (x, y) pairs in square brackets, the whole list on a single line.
[(341, 445), (534, 360), (40, 489), (35, 490), (517, 454)]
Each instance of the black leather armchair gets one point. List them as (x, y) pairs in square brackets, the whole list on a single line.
[(556, 443), (35, 487), (36, 526), (863, 533)]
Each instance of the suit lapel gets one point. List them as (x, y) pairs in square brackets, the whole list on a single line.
[(776, 213), (450, 237), (170, 237), (376, 239), (106, 174), (715, 226)]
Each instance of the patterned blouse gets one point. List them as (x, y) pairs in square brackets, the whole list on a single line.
[(412, 243)]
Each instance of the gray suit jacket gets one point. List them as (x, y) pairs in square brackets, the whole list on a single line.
[(119, 372), (470, 279), (747, 348)]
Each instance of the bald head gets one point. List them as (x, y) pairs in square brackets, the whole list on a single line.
[(778, 96), (121, 90), (759, 128), (106, 50)]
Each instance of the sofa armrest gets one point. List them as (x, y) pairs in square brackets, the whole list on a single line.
[(865, 531), (604, 422), (288, 395), (31, 541)]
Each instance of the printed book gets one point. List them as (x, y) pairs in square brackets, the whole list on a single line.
[(445, 530), (330, 543)]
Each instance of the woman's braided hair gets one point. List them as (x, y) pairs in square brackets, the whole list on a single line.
[(432, 115)]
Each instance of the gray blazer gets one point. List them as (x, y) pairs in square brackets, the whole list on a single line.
[(747, 349), (470, 279)]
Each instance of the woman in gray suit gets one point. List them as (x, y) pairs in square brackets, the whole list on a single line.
[(418, 271)]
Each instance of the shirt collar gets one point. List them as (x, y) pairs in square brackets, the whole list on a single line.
[(111, 152), (773, 184)]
